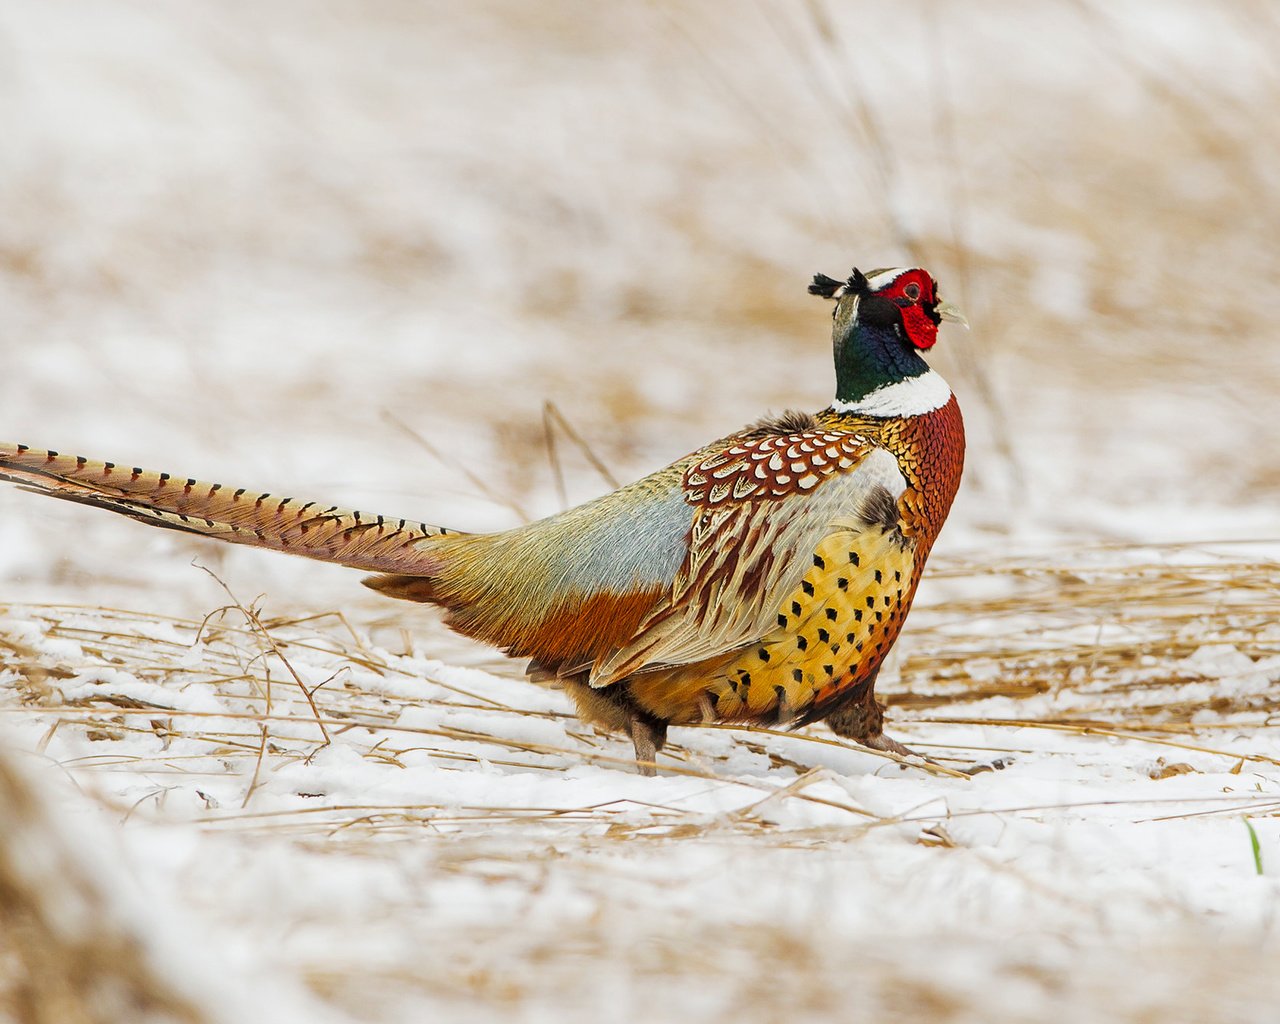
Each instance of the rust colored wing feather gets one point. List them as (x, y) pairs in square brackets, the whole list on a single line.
[(311, 529), (554, 634)]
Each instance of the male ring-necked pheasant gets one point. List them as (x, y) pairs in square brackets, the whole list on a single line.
[(761, 579)]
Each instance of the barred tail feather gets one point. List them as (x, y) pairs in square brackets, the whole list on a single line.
[(310, 529)]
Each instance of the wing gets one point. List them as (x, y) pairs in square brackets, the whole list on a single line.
[(762, 506)]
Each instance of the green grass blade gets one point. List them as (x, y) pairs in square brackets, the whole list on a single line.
[(1257, 847)]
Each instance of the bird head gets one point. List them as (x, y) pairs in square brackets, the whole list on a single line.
[(905, 299)]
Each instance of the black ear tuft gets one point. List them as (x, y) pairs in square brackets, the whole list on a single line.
[(825, 286), (858, 283)]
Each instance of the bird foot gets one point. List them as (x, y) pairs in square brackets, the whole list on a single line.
[(863, 721), (997, 765), (882, 742)]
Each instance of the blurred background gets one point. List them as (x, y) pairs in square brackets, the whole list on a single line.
[(355, 251), (351, 251)]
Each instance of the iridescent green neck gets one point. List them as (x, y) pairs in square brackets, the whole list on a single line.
[(869, 355)]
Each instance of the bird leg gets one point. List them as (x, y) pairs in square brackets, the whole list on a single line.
[(862, 720), (863, 723), (612, 709), (649, 735)]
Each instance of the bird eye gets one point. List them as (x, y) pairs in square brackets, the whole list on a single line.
[(912, 291)]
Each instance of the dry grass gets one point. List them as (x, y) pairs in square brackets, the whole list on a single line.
[(1098, 646), (67, 954), (1115, 631)]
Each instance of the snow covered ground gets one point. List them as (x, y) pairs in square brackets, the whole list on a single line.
[(279, 244)]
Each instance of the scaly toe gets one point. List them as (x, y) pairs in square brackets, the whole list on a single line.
[(999, 764)]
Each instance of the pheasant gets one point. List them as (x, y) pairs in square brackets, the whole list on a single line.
[(761, 579)]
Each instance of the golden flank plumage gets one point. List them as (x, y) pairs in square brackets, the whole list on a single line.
[(763, 578), (847, 606)]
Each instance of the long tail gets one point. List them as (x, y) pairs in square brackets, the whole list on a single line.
[(310, 529)]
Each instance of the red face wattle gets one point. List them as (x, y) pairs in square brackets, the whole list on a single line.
[(913, 293)]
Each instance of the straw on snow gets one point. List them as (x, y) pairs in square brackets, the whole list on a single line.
[(1103, 645)]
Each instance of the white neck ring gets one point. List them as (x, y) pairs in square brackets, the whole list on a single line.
[(913, 396)]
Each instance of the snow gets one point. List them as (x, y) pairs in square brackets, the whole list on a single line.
[(277, 244)]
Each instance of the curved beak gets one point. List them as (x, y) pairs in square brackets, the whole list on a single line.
[(949, 312)]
